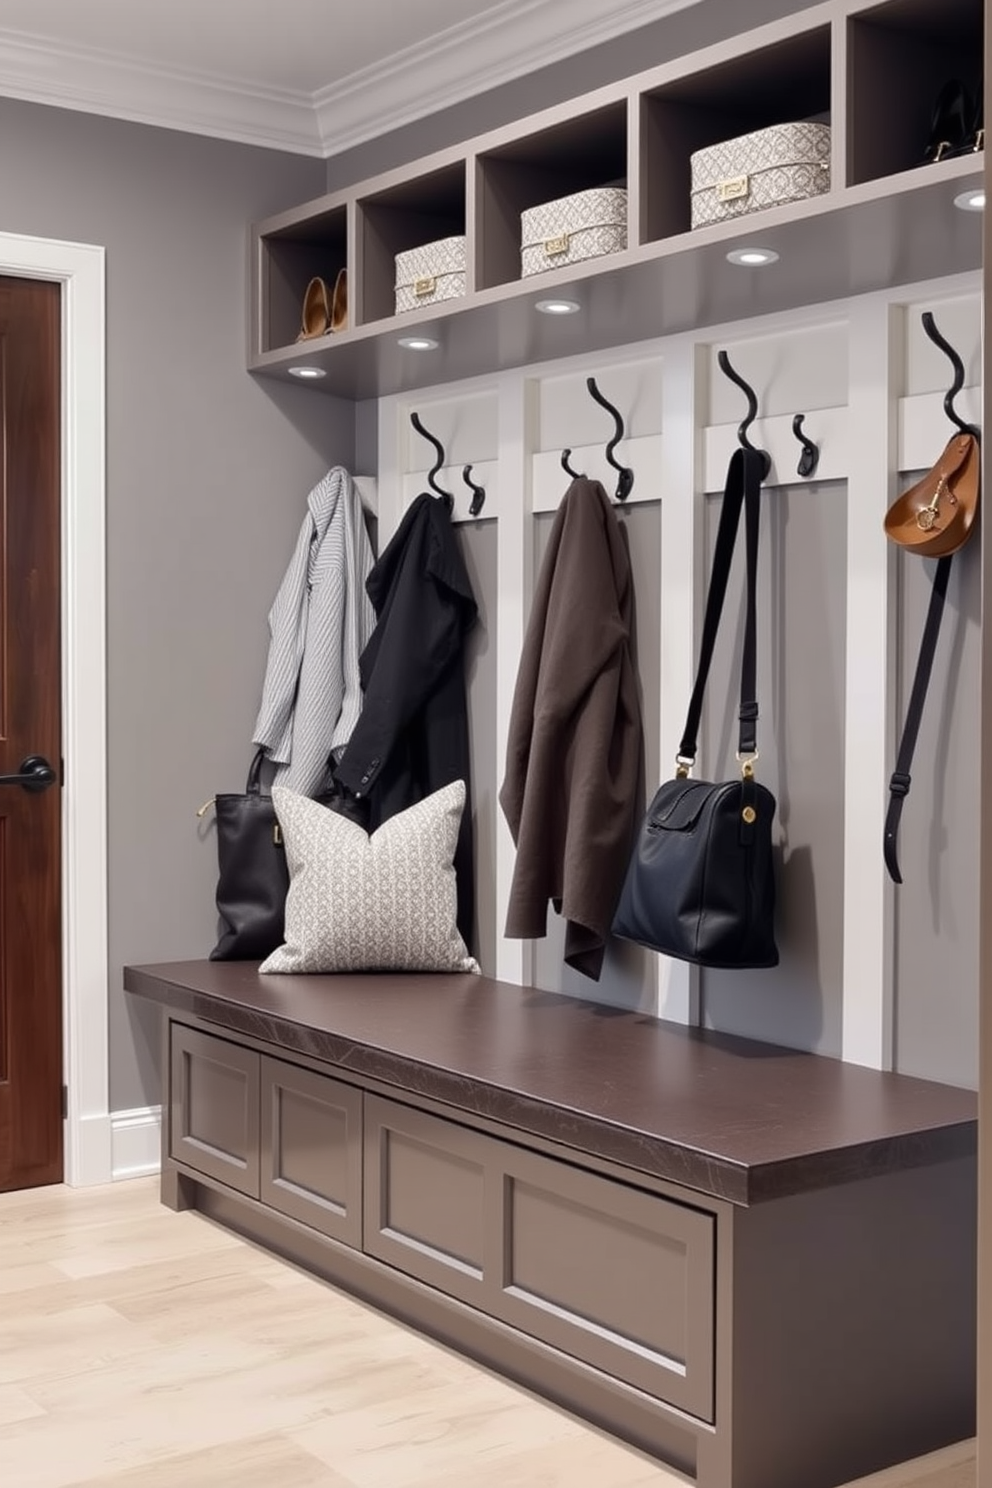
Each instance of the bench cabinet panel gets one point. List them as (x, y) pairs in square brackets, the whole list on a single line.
[(612, 1274), (311, 1149), (618, 1276), (213, 1119)]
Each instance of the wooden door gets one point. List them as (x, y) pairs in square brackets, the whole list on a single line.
[(30, 733)]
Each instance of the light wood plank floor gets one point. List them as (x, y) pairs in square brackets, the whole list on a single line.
[(145, 1349)]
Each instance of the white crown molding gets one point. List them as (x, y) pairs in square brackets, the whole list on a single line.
[(96, 82), (510, 40)]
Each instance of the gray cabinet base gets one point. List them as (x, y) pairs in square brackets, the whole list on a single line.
[(831, 1332), (638, 1418)]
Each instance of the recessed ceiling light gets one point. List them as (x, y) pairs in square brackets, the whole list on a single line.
[(418, 343), (971, 201), (752, 258), (307, 372), (557, 307)]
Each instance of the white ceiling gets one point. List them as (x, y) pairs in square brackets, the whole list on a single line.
[(314, 76)]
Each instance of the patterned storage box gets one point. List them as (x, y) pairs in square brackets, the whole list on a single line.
[(585, 225), (435, 271), (786, 163)]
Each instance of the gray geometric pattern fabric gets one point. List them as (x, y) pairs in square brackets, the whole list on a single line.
[(319, 624), (591, 223), (380, 903), (788, 162), (443, 261)]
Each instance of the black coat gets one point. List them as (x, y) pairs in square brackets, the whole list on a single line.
[(412, 735)]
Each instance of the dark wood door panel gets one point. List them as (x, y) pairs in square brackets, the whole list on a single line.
[(30, 725)]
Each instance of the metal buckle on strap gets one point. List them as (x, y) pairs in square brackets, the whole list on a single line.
[(747, 763), (683, 764)]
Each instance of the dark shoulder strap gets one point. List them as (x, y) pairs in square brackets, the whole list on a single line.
[(743, 489), (901, 778)]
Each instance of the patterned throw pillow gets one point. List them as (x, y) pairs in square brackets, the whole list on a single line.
[(384, 902)]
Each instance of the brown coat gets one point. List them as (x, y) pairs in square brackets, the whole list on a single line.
[(573, 761)]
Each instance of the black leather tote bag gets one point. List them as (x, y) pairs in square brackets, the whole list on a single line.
[(700, 885), (253, 878), (253, 875)]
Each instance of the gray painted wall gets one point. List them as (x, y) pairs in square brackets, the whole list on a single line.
[(479, 544), (207, 476), (938, 911), (686, 31)]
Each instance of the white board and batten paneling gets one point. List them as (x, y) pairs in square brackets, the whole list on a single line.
[(874, 974)]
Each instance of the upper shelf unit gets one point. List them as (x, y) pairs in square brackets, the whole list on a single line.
[(871, 71)]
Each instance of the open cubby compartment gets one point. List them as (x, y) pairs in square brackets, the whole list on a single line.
[(578, 154), (406, 215), (290, 256), (899, 56), (783, 83)]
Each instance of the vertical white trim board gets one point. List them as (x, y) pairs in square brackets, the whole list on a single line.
[(80, 269)]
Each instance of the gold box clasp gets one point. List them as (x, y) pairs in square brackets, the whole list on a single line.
[(733, 188), (424, 287), (555, 247)]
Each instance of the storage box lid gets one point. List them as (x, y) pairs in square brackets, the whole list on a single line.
[(443, 256), (599, 207), (763, 149)]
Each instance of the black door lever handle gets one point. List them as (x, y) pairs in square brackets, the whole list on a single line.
[(35, 774)]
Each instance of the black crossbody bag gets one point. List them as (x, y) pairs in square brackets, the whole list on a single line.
[(700, 885)]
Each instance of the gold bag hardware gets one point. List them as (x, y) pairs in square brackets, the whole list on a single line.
[(425, 286), (555, 247), (733, 188)]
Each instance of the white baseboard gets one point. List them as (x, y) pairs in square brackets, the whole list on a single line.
[(136, 1142)]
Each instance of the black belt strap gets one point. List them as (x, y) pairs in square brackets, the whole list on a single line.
[(743, 489), (901, 778)]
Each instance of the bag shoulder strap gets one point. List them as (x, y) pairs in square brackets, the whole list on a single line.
[(743, 489), (901, 777)]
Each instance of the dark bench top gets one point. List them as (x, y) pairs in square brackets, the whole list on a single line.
[(730, 1117)]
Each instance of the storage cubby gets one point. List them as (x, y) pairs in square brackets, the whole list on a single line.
[(871, 68), (290, 258), (401, 217), (899, 56), (576, 155), (779, 84)]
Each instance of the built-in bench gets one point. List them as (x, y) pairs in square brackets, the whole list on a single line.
[(755, 1263)]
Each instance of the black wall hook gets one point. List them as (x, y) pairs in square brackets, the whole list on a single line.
[(625, 476), (930, 326), (810, 457), (478, 492), (752, 411), (445, 496), (566, 455)]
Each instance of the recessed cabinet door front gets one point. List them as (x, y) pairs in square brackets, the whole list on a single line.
[(617, 1276), (312, 1149), (430, 1187), (214, 1115)]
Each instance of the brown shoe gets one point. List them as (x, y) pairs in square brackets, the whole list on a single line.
[(316, 311), (339, 302)]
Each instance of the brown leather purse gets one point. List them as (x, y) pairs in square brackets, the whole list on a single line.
[(933, 519)]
